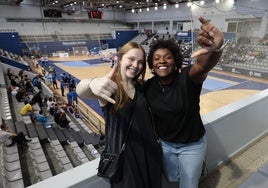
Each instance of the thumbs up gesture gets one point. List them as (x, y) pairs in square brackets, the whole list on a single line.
[(104, 87)]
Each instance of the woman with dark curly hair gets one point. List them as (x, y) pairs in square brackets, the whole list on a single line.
[(173, 94)]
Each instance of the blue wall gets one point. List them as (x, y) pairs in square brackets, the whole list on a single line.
[(122, 37), (11, 42)]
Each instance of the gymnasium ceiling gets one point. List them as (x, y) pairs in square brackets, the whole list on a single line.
[(97, 4), (120, 4)]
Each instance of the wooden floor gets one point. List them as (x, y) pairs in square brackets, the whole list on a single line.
[(208, 102)]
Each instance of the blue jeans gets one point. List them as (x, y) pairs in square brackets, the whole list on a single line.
[(183, 162)]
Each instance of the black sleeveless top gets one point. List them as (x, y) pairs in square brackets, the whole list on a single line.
[(142, 167)]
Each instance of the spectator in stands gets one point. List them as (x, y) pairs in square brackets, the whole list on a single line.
[(143, 159), (37, 82), (64, 78), (22, 95), (62, 88), (21, 74), (76, 112), (29, 86), (69, 96), (70, 109), (13, 90), (57, 115), (63, 121), (37, 98), (9, 73), (28, 110), (14, 81), (72, 83), (75, 96), (44, 119), (54, 81), (9, 138), (49, 103), (52, 109)]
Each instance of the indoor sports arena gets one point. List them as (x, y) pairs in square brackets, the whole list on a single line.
[(48, 46)]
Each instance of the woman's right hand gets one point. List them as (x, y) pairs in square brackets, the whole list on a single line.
[(104, 87)]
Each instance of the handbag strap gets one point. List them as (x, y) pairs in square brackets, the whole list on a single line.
[(129, 122)]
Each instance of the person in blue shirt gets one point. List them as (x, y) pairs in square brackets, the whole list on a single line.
[(54, 81), (43, 119), (70, 97), (75, 96)]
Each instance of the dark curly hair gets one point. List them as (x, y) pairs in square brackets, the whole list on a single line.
[(167, 44)]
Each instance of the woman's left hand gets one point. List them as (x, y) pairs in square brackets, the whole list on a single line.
[(210, 38)]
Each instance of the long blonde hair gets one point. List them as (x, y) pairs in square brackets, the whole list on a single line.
[(121, 96)]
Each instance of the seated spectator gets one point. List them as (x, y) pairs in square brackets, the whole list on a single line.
[(50, 101), (13, 90), (29, 86), (36, 82), (70, 109), (37, 98), (27, 109), (63, 121), (21, 95), (57, 115), (44, 119), (9, 138), (9, 73), (14, 81), (76, 112), (52, 109)]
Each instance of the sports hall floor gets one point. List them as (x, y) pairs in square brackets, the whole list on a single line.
[(220, 89)]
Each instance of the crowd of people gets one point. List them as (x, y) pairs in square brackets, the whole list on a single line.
[(48, 111)]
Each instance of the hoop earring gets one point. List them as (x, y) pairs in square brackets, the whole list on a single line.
[(152, 71)]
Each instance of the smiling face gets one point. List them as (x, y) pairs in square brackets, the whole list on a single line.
[(163, 62), (132, 63)]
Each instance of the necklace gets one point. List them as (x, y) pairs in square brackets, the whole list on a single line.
[(163, 87)]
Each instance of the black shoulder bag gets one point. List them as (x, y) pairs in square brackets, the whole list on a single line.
[(111, 165)]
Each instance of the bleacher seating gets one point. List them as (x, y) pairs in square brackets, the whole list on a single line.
[(52, 149)]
